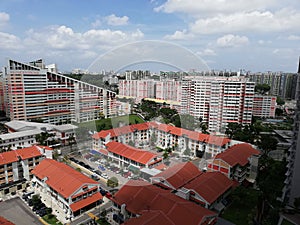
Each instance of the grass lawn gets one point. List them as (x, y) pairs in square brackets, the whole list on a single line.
[(51, 219), (239, 210), (102, 222), (106, 124)]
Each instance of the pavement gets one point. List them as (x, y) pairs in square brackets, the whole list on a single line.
[(15, 210)]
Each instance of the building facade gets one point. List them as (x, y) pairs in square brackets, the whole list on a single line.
[(264, 106), (73, 192), (32, 92), (16, 167), (291, 191), (216, 100), (239, 163), (182, 141)]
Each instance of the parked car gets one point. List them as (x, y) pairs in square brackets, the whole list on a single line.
[(101, 167), (104, 175)]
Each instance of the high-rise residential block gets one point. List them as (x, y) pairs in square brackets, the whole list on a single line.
[(33, 92)]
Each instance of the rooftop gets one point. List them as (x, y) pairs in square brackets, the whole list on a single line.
[(61, 177), (140, 197), (19, 134), (24, 153), (135, 154), (179, 174), (238, 154), (210, 185)]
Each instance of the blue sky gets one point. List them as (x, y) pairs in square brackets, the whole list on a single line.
[(257, 35)]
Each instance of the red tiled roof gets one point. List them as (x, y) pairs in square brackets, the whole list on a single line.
[(179, 174), (194, 135), (141, 197), (238, 154), (210, 186), (121, 130), (161, 166), (29, 152), (4, 221), (24, 153), (86, 201), (8, 157), (150, 218), (129, 152), (61, 177)]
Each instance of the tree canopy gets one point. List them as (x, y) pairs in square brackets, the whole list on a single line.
[(262, 88)]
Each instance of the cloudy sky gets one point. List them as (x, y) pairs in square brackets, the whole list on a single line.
[(256, 35)]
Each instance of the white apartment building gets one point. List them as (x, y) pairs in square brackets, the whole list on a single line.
[(16, 167), (137, 88), (218, 100), (32, 92), (264, 106)]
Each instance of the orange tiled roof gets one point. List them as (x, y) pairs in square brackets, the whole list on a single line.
[(194, 135), (86, 201), (141, 197), (24, 153), (61, 177), (238, 154), (180, 174), (129, 152), (210, 186)]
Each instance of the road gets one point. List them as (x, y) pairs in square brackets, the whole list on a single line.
[(16, 211)]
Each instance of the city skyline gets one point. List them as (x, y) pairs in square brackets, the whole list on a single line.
[(258, 36)]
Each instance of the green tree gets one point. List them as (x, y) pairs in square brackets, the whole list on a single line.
[(188, 122), (262, 88), (112, 182), (267, 143), (280, 101)]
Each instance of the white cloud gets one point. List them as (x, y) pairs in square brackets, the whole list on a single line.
[(179, 35), (4, 18), (114, 20), (231, 40), (64, 38), (207, 52), (294, 38), (206, 7), (9, 42), (97, 23), (248, 21)]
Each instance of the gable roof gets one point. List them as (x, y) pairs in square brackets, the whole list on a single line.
[(141, 197), (210, 186), (179, 174), (238, 154), (129, 152), (14, 155), (61, 177)]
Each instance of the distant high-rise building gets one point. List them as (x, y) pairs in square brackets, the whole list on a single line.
[(218, 100), (32, 91), (291, 190), (264, 106), (281, 84)]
